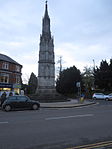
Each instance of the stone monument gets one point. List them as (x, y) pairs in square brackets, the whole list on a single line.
[(46, 63)]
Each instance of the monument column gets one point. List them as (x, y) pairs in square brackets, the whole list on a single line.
[(46, 63)]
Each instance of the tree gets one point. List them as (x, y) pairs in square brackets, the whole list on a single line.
[(110, 72), (32, 84), (88, 80), (66, 82), (103, 76)]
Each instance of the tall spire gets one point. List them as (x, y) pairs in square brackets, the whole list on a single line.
[(46, 22), (46, 11)]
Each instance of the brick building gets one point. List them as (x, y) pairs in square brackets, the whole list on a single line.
[(10, 74)]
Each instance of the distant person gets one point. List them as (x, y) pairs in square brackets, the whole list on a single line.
[(3, 97), (82, 98), (82, 95), (22, 92), (10, 94)]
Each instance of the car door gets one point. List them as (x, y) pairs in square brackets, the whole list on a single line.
[(12, 100), (101, 96), (23, 104)]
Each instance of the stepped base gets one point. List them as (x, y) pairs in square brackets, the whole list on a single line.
[(48, 95), (46, 91)]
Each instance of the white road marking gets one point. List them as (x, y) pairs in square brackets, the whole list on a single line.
[(4, 122), (65, 117)]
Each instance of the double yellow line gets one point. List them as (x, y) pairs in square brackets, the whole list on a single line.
[(93, 146)]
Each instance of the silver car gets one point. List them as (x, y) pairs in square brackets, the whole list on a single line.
[(98, 96), (109, 96)]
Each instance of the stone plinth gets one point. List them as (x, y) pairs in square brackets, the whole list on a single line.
[(48, 95)]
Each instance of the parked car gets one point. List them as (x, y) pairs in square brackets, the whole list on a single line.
[(109, 96), (102, 96), (19, 102), (98, 96)]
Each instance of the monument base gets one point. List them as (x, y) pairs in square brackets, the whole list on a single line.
[(45, 91), (48, 95)]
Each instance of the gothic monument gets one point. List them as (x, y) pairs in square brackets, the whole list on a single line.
[(46, 63)]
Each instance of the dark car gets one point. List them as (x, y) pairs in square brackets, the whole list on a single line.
[(20, 102)]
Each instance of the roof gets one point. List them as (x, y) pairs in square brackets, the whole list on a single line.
[(8, 59)]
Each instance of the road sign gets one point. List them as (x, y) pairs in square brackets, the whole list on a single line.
[(78, 84)]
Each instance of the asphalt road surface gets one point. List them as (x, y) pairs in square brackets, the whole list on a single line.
[(56, 128)]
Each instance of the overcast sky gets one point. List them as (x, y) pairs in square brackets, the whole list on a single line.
[(82, 31)]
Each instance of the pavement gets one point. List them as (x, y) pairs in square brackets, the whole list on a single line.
[(68, 104)]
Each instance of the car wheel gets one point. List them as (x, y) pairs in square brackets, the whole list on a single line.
[(7, 108), (35, 107), (94, 98), (106, 99)]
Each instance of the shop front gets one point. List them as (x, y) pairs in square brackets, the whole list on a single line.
[(17, 88), (6, 87)]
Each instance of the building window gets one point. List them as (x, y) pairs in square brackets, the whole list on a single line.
[(4, 78), (17, 68), (17, 79), (5, 65)]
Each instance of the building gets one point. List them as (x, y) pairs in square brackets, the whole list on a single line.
[(46, 64), (10, 74)]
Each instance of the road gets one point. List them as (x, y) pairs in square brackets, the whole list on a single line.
[(56, 128)]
